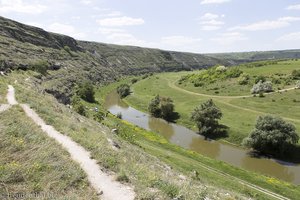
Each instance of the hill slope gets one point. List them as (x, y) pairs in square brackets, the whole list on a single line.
[(21, 46)]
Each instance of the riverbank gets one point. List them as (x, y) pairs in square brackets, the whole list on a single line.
[(187, 160)]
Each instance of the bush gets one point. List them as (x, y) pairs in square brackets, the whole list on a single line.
[(134, 80), (162, 107), (40, 67), (99, 116), (295, 74), (123, 90), (272, 135), (78, 106), (260, 78), (244, 79), (86, 92), (206, 117), (262, 87)]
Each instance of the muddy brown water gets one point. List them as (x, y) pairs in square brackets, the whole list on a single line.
[(188, 139)]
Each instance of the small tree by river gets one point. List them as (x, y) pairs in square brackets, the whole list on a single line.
[(272, 135), (206, 117)]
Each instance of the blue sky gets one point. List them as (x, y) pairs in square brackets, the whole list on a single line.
[(200, 26)]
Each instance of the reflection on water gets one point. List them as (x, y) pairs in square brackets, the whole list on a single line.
[(161, 127), (188, 139)]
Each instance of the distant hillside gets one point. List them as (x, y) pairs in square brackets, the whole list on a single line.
[(257, 55), (21, 46)]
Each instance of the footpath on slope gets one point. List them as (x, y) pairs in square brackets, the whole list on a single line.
[(217, 98), (103, 183)]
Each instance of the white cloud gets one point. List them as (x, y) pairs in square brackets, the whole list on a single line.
[(210, 28), (290, 37), (121, 21), (179, 40), (267, 24), (67, 30), (86, 2), (128, 39), (211, 22), (18, 6), (214, 1), (229, 38), (293, 7), (107, 31), (209, 16)]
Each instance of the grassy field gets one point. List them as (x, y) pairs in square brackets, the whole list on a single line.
[(145, 160), (230, 87), (31, 163), (239, 114)]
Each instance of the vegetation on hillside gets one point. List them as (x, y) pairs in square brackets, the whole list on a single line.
[(34, 166), (240, 79)]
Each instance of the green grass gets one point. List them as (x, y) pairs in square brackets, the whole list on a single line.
[(147, 161), (30, 162), (239, 120), (230, 87)]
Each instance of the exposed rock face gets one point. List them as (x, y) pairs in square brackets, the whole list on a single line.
[(36, 36)]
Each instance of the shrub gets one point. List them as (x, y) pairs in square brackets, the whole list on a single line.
[(260, 78), (154, 108), (119, 115), (221, 68), (295, 74), (244, 79), (233, 72), (272, 135), (40, 66), (262, 87), (134, 80), (206, 117), (86, 92), (161, 107), (123, 90), (99, 116), (78, 106)]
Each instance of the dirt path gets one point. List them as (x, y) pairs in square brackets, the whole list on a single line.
[(218, 98), (103, 183)]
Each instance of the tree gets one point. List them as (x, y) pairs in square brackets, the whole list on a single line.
[(154, 108), (123, 90), (262, 87), (161, 107), (272, 135), (86, 92), (166, 107), (206, 117)]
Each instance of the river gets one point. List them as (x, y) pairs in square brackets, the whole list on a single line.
[(188, 139)]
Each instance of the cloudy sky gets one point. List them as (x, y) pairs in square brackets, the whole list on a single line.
[(201, 26)]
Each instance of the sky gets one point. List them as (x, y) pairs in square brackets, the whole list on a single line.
[(200, 26)]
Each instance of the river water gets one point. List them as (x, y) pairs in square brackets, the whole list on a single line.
[(188, 139)]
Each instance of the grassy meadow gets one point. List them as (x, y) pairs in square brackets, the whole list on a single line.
[(239, 114)]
